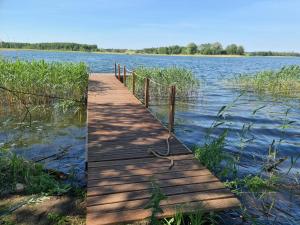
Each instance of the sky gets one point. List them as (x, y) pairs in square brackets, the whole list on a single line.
[(135, 24)]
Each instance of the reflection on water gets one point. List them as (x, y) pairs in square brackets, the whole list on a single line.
[(53, 138), (270, 119)]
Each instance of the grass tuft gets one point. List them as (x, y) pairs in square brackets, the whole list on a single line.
[(282, 83)]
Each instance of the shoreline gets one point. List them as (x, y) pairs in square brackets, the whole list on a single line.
[(145, 54)]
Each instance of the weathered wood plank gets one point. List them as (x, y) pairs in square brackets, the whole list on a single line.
[(100, 181), (124, 173), (108, 189), (146, 162), (141, 194)]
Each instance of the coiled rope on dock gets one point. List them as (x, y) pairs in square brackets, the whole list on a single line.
[(165, 155)]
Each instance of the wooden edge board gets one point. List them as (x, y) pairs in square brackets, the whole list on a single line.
[(94, 218)]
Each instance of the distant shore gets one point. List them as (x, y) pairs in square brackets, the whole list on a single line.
[(141, 54)]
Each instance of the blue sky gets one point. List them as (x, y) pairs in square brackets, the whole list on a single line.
[(256, 24)]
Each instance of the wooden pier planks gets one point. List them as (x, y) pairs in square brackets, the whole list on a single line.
[(120, 133)]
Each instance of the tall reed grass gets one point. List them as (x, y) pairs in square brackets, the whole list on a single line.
[(40, 82), (282, 83), (162, 78)]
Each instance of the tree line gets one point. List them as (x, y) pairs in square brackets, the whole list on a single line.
[(192, 49), (270, 53), (215, 48), (63, 46)]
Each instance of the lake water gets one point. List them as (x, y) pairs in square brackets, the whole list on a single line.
[(194, 118)]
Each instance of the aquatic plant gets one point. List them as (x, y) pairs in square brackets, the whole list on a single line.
[(253, 183), (42, 83), (213, 156), (284, 82), (162, 78)]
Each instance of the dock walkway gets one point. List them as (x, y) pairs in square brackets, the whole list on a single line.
[(120, 168)]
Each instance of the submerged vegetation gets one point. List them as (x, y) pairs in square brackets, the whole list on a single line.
[(42, 83), (284, 82), (162, 78)]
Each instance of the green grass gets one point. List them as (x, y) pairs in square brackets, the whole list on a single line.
[(198, 217), (162, 78), (282, 83), (15, 170), (66, 82)]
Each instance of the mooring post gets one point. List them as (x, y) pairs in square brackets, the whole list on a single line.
[(115, 69), (124, 76), (133, 83), (146, 92), (172, 107), (119, 72)]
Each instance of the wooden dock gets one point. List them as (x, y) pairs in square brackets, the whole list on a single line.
[(120, 133)]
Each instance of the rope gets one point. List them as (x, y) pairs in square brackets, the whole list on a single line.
[(165, 155), (158, 83), (129, 71)]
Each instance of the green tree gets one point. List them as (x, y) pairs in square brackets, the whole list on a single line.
[(211, 49), (191, 49), (205, 49), (216, 48), (175, 49), (163, 50), (240, 50), (231, 49)]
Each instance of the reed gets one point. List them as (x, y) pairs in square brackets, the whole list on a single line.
[(162, 78), (42, 83), (282, 83)]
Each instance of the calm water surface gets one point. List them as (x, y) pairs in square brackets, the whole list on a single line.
[(194, 118)]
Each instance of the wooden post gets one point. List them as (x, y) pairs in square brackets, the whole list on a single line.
[(115, 69), (146, 92), (133, 83), (119, 72), (124, 76), (172, 108)]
